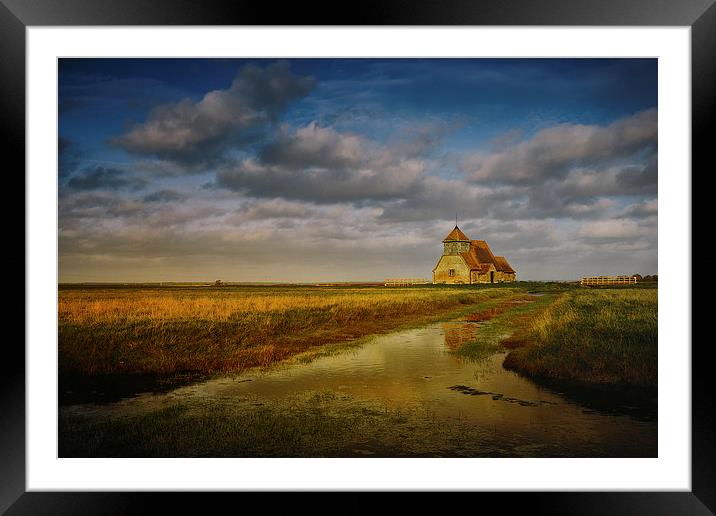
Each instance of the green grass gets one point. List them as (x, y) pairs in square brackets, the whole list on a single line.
[(504, 319), (593, 336), (312, 424)]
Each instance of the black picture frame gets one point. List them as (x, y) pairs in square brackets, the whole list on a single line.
[(17, 15)]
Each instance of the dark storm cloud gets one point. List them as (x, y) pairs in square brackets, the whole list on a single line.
[(322, 165), (638, 179), (587, 193), (105, 178), (314, 147), (552, 152), (323, 185), (200, 131)]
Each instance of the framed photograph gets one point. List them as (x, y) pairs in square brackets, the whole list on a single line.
[(409, 251)]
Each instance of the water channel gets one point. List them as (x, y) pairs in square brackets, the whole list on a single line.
[(448, 405)]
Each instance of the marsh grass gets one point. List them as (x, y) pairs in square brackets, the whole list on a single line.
[(594, 336), (171, 331), (312, 424), (603, 336), (540, 330), (501, 322)]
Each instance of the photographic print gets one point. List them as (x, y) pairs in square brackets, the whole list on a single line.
[(354, 257)]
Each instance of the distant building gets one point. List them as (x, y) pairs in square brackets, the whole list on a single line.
[(470, 261)]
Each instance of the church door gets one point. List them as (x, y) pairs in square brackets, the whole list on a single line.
[(492, 276)]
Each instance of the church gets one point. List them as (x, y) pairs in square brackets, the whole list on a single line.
[(470, 261)]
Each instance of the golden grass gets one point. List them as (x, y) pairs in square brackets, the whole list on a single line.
[(167, 306), (165, 331)]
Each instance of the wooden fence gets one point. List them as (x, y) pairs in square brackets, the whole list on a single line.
[(404, 282), (608, 280)]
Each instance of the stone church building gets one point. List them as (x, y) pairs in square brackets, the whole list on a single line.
[(470, 261)]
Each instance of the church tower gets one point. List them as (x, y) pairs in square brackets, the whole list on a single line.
[(455, 243)]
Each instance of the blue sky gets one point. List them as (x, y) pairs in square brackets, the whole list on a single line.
[(353, 169)]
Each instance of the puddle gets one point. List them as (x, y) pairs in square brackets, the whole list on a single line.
[(417, 372)]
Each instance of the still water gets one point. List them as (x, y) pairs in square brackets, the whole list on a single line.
[(481, 408)]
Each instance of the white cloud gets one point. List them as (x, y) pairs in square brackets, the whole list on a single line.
[(615, 229), (551, 152)]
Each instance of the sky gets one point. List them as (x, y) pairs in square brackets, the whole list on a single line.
[(319, 170)]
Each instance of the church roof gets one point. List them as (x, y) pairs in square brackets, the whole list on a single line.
[(482, 252), (480, 257), (456, 236), (502, 265), (474, 264)]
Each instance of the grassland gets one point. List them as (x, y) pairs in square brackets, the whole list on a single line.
[(603, 337), (596, 336), (592, 336), (111, 331)]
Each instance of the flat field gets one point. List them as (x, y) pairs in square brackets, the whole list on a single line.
[(436, 383), (605, 335), (145, 330)]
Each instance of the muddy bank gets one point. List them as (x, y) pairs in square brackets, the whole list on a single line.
[(75, 389), (640, 403)]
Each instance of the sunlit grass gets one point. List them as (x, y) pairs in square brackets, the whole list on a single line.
[(604, 336), (166, 331), (504, 320)]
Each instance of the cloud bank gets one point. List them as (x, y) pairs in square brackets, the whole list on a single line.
[(199, 131), (250, 182)]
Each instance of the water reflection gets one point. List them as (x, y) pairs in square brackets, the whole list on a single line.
[(417, 370), (458, 333)]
